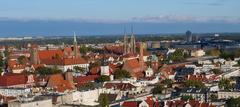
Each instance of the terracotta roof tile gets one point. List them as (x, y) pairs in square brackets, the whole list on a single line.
[(64, 61), (57, 82), (120, 86), (49, 54), (13, 79), (130, 104)]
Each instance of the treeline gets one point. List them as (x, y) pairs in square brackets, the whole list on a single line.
[(89, 40)]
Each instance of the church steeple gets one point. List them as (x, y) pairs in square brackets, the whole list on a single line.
[(133, 42), (129, 46), (75, 47), (74, 38), (125, 42)]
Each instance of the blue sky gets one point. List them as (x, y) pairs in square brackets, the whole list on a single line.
[(93, 17), (121, 10)]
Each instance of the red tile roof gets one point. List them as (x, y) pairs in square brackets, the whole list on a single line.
[(12, 79), (57, 82), (64, 61), (11, 63), (120, 86), (150, 101), (95, 70), (85, 79), (198, 77), (49, 54), (133, 63), (130, 104)]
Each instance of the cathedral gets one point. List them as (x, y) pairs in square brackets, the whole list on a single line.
[(129, 44)]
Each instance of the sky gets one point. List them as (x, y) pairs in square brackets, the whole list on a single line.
[(122, 11)]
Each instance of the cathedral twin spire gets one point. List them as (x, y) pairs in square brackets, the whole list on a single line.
[(129, 47)]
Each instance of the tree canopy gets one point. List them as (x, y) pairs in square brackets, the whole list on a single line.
[(194, 83), (47, 71), (103, 78), (120, 74), (233, 102), (187, 97), (157, 89), (20, 59), (214, 52), (225, 84), (216, 71), (78, 69), (178, 55), (103, 100)]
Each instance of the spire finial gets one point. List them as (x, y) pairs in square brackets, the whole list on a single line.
[(125, 32), (75, 38), (132, 29)]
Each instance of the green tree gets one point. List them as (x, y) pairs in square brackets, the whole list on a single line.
[(233, 102), (194, 83), (1, 70), (157, 89), (84, 49), (20, 59), (187, 97), (47, 71), (216, 71), (213, 97), (95, 64), (1, 60), (167, 82), (79, 69), (178, 55), (225, 84), (103, 100), (227, 55), (214, 52), (120, 74), (103, 78)]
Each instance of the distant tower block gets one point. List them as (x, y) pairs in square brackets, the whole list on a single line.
[(189, 36)]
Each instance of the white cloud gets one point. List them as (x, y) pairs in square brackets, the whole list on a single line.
[(178, 18)]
